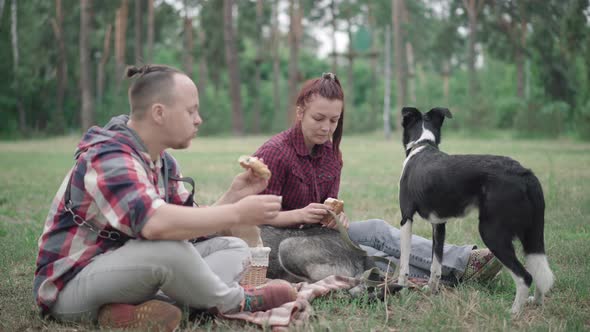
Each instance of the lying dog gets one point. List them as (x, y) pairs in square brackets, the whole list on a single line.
[(311, 254), (439, 186)]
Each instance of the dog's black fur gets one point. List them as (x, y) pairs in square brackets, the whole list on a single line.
[(311, 254), (439, 186)]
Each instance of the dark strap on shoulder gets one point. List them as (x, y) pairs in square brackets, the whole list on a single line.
[(166, 176)]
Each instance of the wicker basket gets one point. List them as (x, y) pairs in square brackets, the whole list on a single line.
[(256, 273)]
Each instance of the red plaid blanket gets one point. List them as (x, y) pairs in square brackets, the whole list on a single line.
[(296, 313)]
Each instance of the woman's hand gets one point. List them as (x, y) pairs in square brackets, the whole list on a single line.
[(313, 213), (343, 220)]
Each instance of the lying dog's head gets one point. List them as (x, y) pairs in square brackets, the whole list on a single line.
[(420, 127)]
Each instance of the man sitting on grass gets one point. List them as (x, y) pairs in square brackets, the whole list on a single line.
[(117, 231)]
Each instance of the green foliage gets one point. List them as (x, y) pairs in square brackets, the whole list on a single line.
[(541, 120), (556, 48)]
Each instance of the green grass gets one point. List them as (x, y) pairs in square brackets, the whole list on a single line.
[(32, 171)]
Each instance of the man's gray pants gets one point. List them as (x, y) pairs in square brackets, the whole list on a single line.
[(202, 276)]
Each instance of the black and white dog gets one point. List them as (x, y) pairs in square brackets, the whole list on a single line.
[(440, 186)]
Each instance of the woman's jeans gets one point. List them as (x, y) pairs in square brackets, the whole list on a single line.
[(379, 238)]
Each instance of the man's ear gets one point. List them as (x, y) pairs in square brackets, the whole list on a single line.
[(157, 113), (438, 114), (409, 114)]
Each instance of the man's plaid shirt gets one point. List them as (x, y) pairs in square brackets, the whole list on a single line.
[(115, 186), (297, 175)]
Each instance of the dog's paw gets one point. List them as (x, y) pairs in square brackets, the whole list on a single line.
[(402, 280), (516, 310), (535, 300), (429, 289), (432, 286)]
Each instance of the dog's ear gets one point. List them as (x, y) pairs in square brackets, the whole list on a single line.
[(409, 114), (438, 114)]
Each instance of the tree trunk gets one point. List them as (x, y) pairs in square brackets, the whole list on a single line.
[(187, 51), (1, 11), (22, 119), (351, 56), (150, 32), (411, 72), (401, 79), (100, 74), (409, 64), (188, 47), (120, 42), (373, 55), (62, 72), (387, 88), (334, 29), (138, 43), (231, 60), (257, 106), (294, 40), (203, 71), (520, 58), (472, 7), (87, 116), (276, 72)]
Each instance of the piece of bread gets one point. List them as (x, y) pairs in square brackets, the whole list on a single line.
[(257, 166), (337, 207)]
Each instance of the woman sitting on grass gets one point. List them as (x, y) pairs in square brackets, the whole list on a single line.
[(306, 164)]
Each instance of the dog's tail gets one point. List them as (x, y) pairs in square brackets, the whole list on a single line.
[(296, 277), (533, 241)]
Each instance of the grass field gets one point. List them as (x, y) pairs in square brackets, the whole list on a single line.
[(32, 171)]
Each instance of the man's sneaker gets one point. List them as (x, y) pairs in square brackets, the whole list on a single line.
[(268, 296), (482, 266), (153, 315)]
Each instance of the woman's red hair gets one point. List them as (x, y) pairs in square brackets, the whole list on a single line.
[(327, 86)]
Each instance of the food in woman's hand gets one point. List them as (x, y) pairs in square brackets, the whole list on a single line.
[(337, 207)]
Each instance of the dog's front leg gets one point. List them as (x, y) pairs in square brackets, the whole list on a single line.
[(438, 241), (406, 246)]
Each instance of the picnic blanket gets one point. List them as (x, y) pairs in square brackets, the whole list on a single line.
[(297, 313)]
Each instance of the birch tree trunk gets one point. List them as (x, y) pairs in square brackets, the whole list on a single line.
[(22, 118)]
